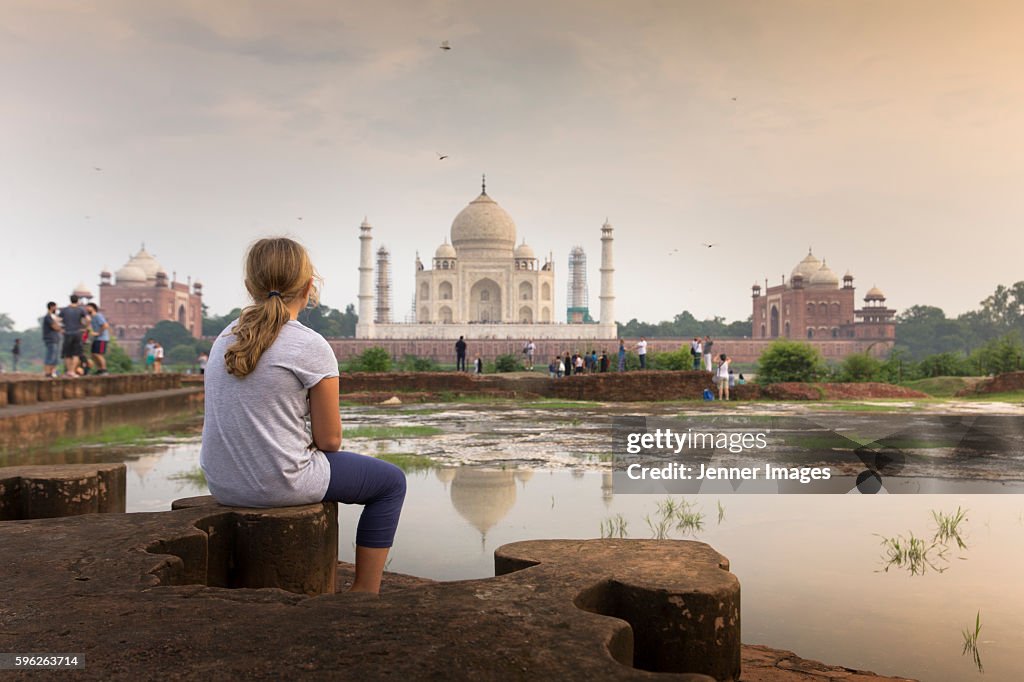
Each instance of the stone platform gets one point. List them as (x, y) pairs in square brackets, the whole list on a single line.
[(218, 592)]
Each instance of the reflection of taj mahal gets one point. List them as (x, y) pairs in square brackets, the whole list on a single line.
[(481, 278)]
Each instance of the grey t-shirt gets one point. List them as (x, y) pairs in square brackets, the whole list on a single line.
[(256, 449)]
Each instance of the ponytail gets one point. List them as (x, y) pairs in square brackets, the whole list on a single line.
[(277, 271)]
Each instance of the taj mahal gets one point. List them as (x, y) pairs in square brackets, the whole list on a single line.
[(480, 284)]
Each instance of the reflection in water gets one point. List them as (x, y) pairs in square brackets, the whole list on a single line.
[(483, 497), (971, 642)]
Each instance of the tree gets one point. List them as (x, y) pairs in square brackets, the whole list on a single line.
[(999, 355), (213, 326), (375, 359), (790, 361), (169, 334), (6, 323)]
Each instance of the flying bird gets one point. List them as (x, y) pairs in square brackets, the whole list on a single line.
[(445, 45), (673, 251), (440, 156), (733, 99), (709, 245), (96, 168), (299, 218)]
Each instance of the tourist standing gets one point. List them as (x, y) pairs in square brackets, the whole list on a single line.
[(567, 361), (15, 355), (460, 355), (73, 319), (478, 365), (267, 374), (528, 350), (560, 367), (622, 355), (708, 355), (604, 361), (722, 377), (100, 329), (641, 351), (149, 354), (51, 339), (158, 358), (697, 350), (553, 368), (593, 360), (579, 364)]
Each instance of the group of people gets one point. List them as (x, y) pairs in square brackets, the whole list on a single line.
[(68, 332), (153, 356), (578, 363), (721, 367)]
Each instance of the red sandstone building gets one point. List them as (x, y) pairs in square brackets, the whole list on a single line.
[(813, 306), (142, 294)]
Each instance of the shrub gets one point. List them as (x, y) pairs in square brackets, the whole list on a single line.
[(375, 359), (675, 360), (118, 361), (411, 363), (859, 367), (790, 361), (999, 355), (942, 365), (507, 363)]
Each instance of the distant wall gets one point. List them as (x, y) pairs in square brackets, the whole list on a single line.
[(443, 350)]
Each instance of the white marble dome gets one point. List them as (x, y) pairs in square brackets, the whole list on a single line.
[(824, 277), (807, 267), (483, 224), (146, 262), (130, 274)]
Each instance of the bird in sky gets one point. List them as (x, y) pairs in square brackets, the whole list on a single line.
[(96, 168), (733, 99), (299, 218), (708, 245), (673, 251), (445, 45), (441, 157)]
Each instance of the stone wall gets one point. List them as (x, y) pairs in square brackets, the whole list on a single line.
[(32, 425), (27, 391)]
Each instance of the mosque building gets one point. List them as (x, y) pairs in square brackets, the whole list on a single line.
[(140, 294), (481, 284), (813, 306)]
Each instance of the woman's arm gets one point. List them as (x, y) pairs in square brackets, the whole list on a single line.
[(325, 416)]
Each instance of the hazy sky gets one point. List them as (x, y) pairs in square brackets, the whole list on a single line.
[(887, 134)]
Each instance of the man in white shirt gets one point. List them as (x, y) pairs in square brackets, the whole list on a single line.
[(641, 351)]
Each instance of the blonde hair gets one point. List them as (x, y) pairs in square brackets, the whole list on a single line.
[(277, 271)]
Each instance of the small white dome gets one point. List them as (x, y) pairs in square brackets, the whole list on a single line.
[(524, 250), (82, 291), (824, 277), (446, 250), (874, 294)]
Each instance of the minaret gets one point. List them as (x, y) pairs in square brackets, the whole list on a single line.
[(364, 326), (607, 282), (383, 286)]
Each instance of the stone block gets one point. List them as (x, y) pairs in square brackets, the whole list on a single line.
[(42, 492), (23, 391)]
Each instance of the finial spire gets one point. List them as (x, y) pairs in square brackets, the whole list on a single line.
[(483, 183)]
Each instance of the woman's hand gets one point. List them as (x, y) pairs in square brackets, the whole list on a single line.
[(324, 416)]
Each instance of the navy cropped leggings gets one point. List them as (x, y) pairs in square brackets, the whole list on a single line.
[(374, 483)]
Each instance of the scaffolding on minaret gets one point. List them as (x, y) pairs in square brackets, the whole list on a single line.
[(410, 316), (383, 287), (578, 298)]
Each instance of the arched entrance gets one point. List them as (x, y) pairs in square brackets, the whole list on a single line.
[(775, 321), (485, 301)]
